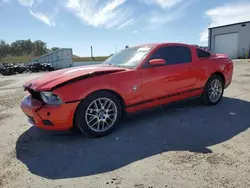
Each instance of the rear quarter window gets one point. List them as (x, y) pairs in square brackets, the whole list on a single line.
[(202, 53)]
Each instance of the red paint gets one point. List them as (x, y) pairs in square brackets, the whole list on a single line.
[(153, 85)]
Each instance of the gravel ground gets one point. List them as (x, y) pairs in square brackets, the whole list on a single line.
[(184, 145)]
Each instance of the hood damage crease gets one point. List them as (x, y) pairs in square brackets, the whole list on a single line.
[(89, 75)]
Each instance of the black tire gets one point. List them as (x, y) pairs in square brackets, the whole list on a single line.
[(80, 119), (205, 95)]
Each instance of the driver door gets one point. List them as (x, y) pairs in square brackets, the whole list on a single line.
[(176, 76)]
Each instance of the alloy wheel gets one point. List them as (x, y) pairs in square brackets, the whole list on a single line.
[(101, 114), (215, 90)]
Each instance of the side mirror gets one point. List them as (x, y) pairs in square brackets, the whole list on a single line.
[(157, 62)]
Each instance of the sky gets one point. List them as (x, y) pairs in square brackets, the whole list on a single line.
[(110, 25)]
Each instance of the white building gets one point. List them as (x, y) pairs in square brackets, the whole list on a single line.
[(233, 39)]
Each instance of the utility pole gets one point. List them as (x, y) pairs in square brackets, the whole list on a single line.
[(115, 48), (91, 51)]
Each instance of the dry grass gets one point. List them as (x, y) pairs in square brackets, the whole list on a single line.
[(25, 59)]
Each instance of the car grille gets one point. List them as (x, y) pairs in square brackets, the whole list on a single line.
[(35, 94)]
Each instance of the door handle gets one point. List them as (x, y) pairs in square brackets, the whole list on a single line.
[(189, 69)]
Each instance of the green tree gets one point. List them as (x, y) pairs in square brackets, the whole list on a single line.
[(28, 47), (15, 48), (55, 48), (23, 47), (4, 49), (39, 48)]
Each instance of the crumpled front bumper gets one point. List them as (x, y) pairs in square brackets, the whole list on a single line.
[(49, 117)]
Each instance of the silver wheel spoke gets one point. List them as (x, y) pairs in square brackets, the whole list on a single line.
[(213, 97), (92, 119), (215, 90), (109, 118), (112, 114), (101, 114), (94, 124), (111, 110), (105, 104), (96, 106), (91, 115), (100, 102), (103, 124), (109, 105), (107, 123), (98, 127), (91, 111), (210, 95)]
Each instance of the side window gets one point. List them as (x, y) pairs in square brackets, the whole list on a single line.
[(173, 54), (202, 53), (178, 55), (160, 54)]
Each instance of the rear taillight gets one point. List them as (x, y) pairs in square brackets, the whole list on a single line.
[(222, 55)]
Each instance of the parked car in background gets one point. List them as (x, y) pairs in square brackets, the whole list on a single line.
[(94, 98), (37, 67), (8, 69), (19, 68)]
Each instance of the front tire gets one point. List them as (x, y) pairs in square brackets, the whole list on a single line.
[(213, 91), (99, 114)]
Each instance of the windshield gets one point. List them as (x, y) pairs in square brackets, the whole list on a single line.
[(129, 57)]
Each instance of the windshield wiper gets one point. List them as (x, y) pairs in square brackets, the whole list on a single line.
[(114, 65)]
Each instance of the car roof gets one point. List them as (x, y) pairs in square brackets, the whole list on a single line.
[(162, 44)]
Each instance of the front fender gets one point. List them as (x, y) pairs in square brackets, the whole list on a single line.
[(81, 89)]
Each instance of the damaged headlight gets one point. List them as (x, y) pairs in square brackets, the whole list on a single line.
[(50, 98)]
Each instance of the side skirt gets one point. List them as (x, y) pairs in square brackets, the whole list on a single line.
[(163, 105), (164, 97)]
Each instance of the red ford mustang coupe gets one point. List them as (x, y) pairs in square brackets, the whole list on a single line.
[(94, 98)]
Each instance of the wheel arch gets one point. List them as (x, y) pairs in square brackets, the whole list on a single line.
[(218, 73), (122, 101), (205, 94), (114, 93)]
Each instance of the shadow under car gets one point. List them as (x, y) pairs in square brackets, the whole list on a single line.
[(184, 126)]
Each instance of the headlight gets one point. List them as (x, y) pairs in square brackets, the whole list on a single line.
[(50, 98)]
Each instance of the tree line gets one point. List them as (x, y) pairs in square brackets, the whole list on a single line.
[(24, 48)]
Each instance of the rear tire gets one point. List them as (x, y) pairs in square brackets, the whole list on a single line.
[(213, 91), (99, 114)]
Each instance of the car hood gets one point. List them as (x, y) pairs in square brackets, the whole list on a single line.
[(50, 80)]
